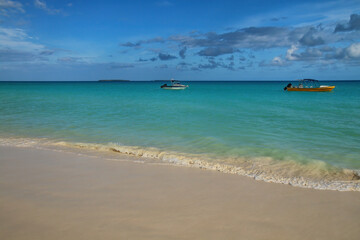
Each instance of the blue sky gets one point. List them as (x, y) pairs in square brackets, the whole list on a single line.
[(69, 40)]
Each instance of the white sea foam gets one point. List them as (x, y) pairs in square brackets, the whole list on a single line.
[(316, 175)]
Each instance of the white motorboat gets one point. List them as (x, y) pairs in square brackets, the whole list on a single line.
[(174, 85)]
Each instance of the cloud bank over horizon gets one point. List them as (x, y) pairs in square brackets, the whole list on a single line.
[(47, 38)]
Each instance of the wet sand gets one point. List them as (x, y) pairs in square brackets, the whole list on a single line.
[(46, 194)]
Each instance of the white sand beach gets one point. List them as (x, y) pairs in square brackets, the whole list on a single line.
[(46, 194)]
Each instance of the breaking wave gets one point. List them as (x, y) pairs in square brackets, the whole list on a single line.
[(316, 174)]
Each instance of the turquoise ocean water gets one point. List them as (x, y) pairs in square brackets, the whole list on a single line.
[(250, 128)]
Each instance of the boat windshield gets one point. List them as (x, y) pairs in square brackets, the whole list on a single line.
[(173, 82)]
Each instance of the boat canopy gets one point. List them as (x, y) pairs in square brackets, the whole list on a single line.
[(307, 82)]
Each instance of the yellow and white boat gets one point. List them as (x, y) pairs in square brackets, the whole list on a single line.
[(308, 85)]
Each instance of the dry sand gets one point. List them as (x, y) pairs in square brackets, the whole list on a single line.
[(55, 195)]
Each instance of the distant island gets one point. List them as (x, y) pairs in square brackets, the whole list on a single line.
[(114, 80)]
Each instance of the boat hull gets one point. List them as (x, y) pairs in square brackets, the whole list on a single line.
[(320, 89), (174, 88)]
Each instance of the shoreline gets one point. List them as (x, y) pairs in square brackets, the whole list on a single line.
[(47, 194), (319, 176)]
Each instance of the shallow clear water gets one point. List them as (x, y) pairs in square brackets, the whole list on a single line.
[(220, 120)]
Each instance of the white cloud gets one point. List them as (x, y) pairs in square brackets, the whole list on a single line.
[(42, 5), (350, 54), (10, 4), (6, 5), (13, 33), (353, 51), (290, 53), (16, 46), (17, 39), (277, 61)]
